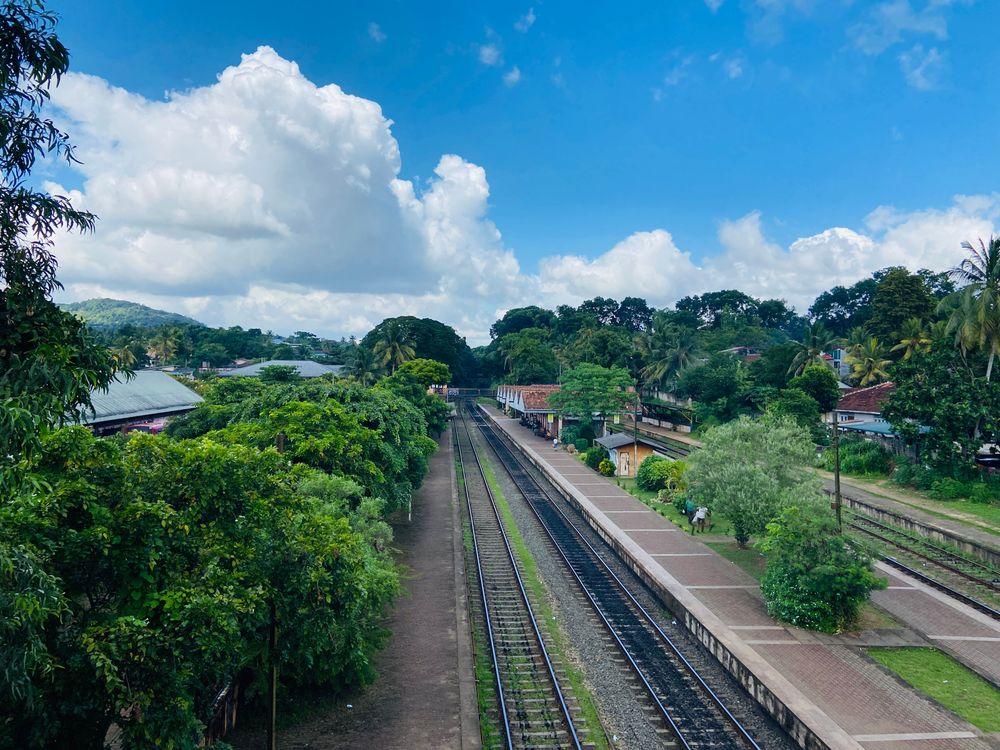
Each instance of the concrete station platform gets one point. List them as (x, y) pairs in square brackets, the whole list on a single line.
[(824, 689)]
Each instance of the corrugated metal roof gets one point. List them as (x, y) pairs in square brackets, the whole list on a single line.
[(306, 368), (148, 394)]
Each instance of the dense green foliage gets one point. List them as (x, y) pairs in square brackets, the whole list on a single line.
[(661, 473), (860, 457), (590, 389), (143, 577), (48, 361), (815, 578), (430, 339), (747, 470), (111, 314)]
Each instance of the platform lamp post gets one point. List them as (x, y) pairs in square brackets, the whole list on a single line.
[(836, 471)]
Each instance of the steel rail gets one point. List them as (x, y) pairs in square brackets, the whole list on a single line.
[(970, 601), (564, 708), (860, 518), (489, 429), (485, 600)]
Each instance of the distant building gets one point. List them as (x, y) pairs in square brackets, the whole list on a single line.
[(860, 407), (531, 402), (144, 402), (626, 453), (305, 367)]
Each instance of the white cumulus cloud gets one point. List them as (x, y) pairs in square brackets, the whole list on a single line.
[(266, 200)]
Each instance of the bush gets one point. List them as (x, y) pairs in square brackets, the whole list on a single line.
[(595, 455), (814, 578), (949, 489), (984, 494), (581, 444), (859, 456), (570, 434), (904, 472), (648, 477), (606, 467)]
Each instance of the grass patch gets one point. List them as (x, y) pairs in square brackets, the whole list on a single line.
[(951, 684), (720, 525), (556, 641)]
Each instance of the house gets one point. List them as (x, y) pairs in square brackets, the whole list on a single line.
[(627, 454), (143, 402), (305, 367), (839, 361), (863, 406)]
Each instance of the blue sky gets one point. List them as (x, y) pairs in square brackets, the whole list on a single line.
[(594, 121)]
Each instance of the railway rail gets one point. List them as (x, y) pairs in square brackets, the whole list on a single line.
[(695, 717), (533, 710), (960, 577)]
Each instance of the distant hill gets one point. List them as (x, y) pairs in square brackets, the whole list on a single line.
[(111, 314)]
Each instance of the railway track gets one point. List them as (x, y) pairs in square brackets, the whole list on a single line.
[(693, 715), (967, 580), (533, 711)]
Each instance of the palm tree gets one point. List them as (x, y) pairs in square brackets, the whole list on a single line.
[(869, 363), (914, 338), (364, 366), (163, 346), (393, 346), (124, 357), (816, 339), (666, 353), (974, 318)]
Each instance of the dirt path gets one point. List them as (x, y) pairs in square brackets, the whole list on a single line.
[(424, 695)]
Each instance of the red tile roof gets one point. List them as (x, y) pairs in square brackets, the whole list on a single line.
[(868, 400)]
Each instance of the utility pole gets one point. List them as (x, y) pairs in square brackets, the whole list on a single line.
[(635, 436), (272, 648), (836, 471)]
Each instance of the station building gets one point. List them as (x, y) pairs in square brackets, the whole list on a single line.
[(627, 453)]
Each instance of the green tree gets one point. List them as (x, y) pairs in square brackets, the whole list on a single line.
[(364, 366), (427, 372), (721, 386), (975, 320), (814, 578), (279, 374), (816, 340), (913, 338), (869, 363), (432, 339), (393, 346), (666, 351), (747, 470), (900, 295), (820, 382), (529, 357), (607, 346), (590, 389), (796, 404), (49, 362), (944, 407), (154, 552), (519, 318)]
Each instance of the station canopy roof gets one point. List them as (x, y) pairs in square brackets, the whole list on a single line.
[(150, 393)]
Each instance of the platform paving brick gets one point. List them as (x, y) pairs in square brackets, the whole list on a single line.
[(832, 672)]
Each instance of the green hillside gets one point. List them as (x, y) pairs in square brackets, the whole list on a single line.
[(111, 314)]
